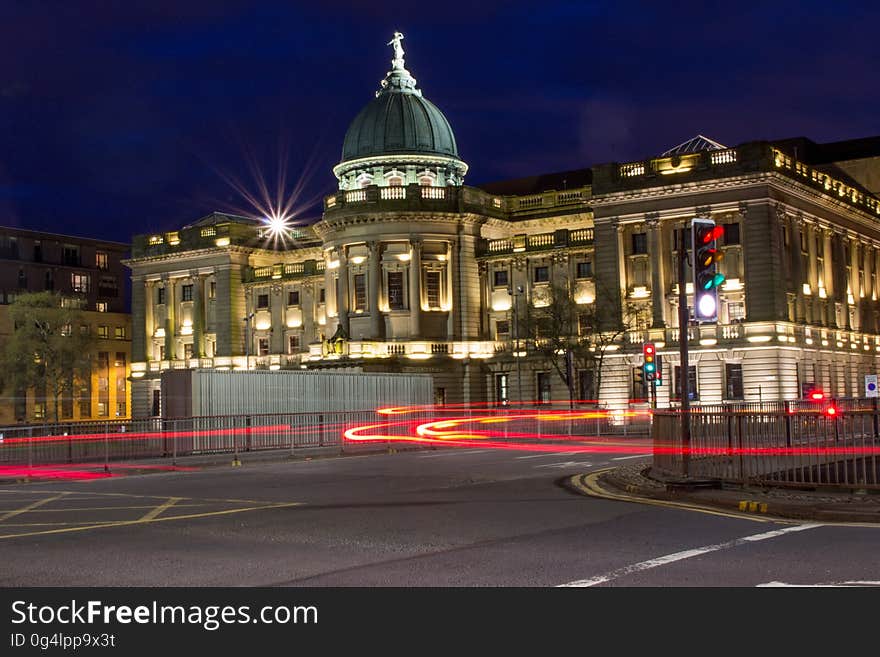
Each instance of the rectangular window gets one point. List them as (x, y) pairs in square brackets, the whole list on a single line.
[(79, 283), (49, 280), (103, 384), (639, 243), (322, 295), (733, 377), (587, 385), (186, 293), (694, 393), (120, 409), (585, 323), (39, 410), (360, 292), (731, 234), (212, 290), (293, 298), (432, 288), (736, 311), (542, 380), (103, 331), (292, 344), (542, 274), (108, 287), (502, 330), (157, 401), (500, 278), (119, 361), (38, 252), (70, 255), (395, 290), (83, 329), (262, 301), (160, 298), (187, 351), (585, 269), (263, 347), (101, 306), (103, 409), (101, 261), (119, 333), (161, 352), (85, 408)]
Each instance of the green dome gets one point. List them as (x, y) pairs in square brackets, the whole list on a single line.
[(398, 121)]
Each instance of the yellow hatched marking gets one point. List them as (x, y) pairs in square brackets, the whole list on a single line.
[(123, 523), (30, 507), (152, 513)]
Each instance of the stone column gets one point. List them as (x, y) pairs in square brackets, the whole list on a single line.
[(854, 281), (329, 296), (813, 275), (197, 312), (450, 298), (415, 288), (170, 316), (375, 274), (658, 286), (797, 273), (866, 323), (344, 302), (828, 278), (840, 281)]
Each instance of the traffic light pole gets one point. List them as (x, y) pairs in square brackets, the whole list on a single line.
[(684, 370)]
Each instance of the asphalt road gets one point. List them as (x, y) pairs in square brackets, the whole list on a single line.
[(427, 518)]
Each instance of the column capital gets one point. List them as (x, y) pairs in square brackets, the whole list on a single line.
[(652, 219), (743, 208), (703, 211)]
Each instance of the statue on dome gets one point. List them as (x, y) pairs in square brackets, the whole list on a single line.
[(397, 62)]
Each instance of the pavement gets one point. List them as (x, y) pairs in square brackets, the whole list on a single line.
[(637, 483)]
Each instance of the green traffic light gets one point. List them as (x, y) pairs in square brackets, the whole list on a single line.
[(715, 281), (649, 367)]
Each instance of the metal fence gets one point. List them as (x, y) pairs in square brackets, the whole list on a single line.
[(799, 443), (104, 442)]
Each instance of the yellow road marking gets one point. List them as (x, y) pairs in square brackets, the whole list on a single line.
[(91, 495), (65, 509), (123, 523), (29, 507), (152, 513), (588, 484)]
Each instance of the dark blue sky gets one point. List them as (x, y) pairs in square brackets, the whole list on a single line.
[(118, 118)]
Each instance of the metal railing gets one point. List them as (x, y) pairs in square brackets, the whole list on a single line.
[(792, 443)]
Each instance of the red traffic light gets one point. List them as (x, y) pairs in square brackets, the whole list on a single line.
[(831, 411), (817, 395), (649, 349), (714, 233)]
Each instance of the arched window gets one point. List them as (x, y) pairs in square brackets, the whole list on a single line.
[(427, 178), (394, 178), (363, 180)]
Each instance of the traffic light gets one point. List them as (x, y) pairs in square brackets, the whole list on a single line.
[(707, 278), (650, 365), (658, 375)]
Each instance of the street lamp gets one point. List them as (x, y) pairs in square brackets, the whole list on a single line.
[(247, 339)]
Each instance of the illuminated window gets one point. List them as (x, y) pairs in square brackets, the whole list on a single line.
[(292, 344), (263, 347), (262, 301), (395, 181), (186, 293), (120, 409), (103, 331), (395, 290), (502, 330), (39, 410), (101, 306), (432, 288), (360, 292), (119, 333), (101, 261), (103, 409), (119, 361)]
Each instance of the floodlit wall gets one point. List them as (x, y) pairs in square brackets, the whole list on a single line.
[(190, 393)]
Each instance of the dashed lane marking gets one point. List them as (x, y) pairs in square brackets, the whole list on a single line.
[(634, 456), (686, 554), (542, 456)]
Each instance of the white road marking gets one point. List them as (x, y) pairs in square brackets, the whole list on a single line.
[(566, 464), (831, 585), (634, 456), (687, 554), (454, 452), (541, 456)]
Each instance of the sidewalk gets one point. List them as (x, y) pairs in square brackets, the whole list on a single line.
[(636, 482)]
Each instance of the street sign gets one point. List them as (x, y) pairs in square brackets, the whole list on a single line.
[(871, 385)]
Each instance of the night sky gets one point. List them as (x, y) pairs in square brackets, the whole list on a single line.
[(119, 118)]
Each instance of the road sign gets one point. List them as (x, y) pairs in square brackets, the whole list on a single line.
[(871, 385)]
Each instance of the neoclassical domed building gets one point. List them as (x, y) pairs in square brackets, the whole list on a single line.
[(411, 270)]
